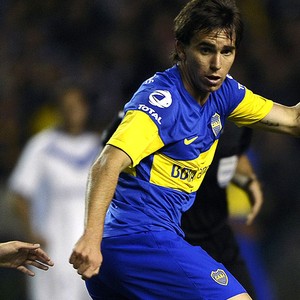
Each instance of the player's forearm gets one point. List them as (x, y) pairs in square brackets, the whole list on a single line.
[(297, 119), (282, 119), (244, 174), (100, 190), (244, 166), (22, 209)]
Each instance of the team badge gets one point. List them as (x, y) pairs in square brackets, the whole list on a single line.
[(219, 277), (160, 98), (216, 124)]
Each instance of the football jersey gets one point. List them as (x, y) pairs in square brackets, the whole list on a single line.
[(209, 213), (171, 140)]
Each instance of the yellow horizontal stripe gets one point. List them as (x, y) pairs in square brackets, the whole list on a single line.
[(185, 176)]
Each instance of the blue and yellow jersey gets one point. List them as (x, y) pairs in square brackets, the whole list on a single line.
[(171, 140)]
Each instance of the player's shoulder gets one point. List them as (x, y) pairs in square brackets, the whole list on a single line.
[(91, 139), (42, 138), (157, 96), (160, 90), (165, 80), (230, 94), (231, 85)]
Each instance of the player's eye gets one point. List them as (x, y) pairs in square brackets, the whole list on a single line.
[(227, 52), (205, 50)]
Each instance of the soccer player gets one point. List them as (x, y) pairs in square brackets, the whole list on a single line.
[(47, 189), (206, 223), (148, 173), (19, 255)]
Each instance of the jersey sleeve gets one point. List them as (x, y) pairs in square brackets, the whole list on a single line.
[(251, 109), (137, 135)]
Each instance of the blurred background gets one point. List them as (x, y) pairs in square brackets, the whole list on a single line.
[(111, 46)]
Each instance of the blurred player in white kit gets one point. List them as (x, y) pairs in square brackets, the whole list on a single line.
[(48, 188)]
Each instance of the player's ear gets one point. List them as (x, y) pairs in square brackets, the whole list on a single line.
[(180, 50)]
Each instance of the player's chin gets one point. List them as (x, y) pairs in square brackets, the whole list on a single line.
[(215, 87), (211, 89)]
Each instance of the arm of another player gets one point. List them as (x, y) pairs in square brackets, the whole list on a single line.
[(102, 181), (246, 179), (22, 207), (18, 255)]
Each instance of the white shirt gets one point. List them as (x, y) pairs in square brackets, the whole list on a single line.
[(52, 174)]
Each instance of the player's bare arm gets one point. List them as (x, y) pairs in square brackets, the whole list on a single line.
[(102, 181), (282, 119)]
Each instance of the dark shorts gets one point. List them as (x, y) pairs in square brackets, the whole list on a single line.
[(159, 265)]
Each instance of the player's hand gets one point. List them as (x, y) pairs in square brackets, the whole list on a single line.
[(86, 257), (256, 197), (19, 255)]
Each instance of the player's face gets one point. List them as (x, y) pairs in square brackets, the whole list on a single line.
[(74, 111), (206, 62)]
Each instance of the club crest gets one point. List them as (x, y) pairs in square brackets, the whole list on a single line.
[(216, 124), (219, 277)]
